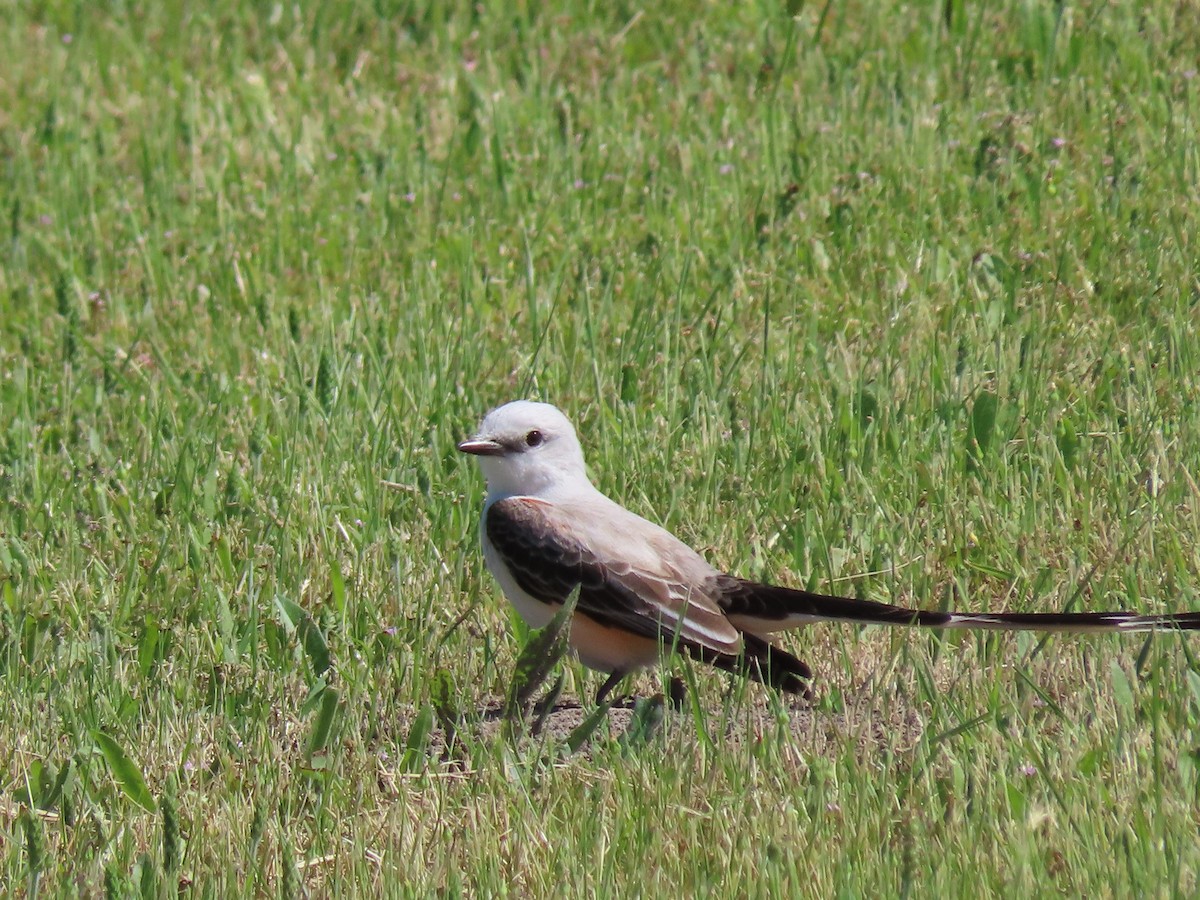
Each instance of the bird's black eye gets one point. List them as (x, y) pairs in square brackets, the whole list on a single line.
[(534, 438)]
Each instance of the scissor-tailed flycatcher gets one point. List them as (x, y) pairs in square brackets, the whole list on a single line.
[(546, 530)]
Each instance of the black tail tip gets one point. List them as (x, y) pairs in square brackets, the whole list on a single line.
[(793, 683), (782, 671)]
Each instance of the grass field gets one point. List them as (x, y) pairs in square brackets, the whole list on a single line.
[(897, 300)]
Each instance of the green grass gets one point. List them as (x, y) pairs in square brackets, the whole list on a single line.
[(899, 300)]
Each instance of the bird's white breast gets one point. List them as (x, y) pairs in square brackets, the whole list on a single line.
[(535, 613)]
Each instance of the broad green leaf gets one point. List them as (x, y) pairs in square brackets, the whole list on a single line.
[(585, 729), (43, 785), (318, 739), (51, 797), (983, 425), (545, 647), (148, 647), (416, 748), (124, 771), (297, 618), (312, 700)]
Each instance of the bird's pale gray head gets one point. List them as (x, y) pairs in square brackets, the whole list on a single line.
[(526, 448)]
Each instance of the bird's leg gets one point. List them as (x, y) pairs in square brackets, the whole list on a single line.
[(605, 689)]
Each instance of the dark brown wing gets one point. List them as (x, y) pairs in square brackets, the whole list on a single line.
[(549, 552)]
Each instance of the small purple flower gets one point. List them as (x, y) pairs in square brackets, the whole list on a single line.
[(1058, 143), (579, 184), (410, 197), (1028, 770), (725, 169)]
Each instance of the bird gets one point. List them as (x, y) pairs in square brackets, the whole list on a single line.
[(643, 593)]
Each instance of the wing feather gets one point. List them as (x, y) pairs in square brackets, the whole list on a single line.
[(549, 553)]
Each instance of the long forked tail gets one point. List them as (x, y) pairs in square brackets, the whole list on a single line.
[(765, 608)]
